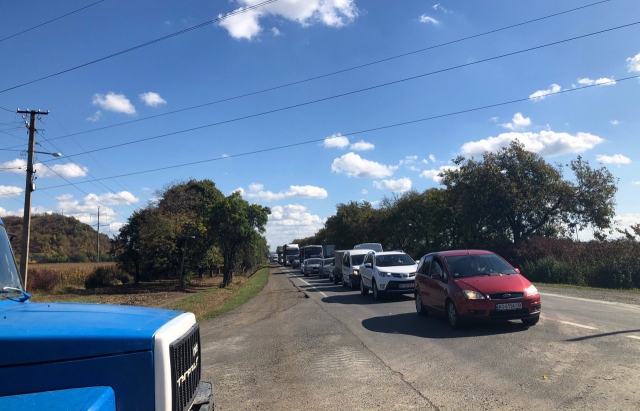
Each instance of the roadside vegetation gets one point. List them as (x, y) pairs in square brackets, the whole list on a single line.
[(216, 301), (512, 202)]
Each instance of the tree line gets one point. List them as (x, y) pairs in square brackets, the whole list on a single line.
[(501, 202), (218, 231)]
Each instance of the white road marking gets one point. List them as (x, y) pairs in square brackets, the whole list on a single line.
[(323, 294), (579, 325), (622, 305), (635, 337)]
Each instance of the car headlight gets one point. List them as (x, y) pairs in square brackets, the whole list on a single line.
[(383, 274), (472, 295), (356, 272), (531, 291)]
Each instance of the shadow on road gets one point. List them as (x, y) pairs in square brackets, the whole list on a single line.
[(436, 327), (588, 337), (356, 298)]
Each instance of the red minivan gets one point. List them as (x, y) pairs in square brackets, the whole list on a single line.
[(474, 284)]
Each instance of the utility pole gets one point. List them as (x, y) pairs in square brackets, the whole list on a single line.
[(29, 188), (98, 236)]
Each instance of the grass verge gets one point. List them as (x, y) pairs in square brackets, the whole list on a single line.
[(585, 287), (216, 301)]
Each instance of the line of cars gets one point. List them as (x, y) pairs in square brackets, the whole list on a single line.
[(462, 285)]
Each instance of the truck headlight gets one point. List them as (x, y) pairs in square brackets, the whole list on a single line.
[(472, 295)]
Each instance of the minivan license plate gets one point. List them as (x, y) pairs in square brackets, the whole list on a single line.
[(508, 306), (408, 285)]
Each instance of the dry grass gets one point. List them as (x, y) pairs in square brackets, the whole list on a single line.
[(69, 274)]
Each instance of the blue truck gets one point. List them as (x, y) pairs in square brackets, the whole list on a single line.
[(77, 357)]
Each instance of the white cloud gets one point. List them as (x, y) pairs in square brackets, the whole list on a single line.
[(541, 94), (275, 31), (428, 19), (355, 166), (68, 170), (437, 6), (239, 190), (64, 197), (333, 13), (635, 182), (95, 117), (10, 191), (114, 102), (615, 122), (336, 140), (409, 162), (432, 158), (434, 173), (397, 186), (545, 143), (601, 81), (13, 165), (291, 221), (634, 63), (257, 191), (152, 99), (362, 146), (364, 191), (494, 119), (518, 122), (614, 159)]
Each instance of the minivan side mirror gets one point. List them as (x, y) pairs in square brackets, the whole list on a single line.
[(518, 270), (368, 265)]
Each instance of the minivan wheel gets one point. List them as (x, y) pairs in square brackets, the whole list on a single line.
[(352, 285), (363, 290), (452, 315), (377, 295), (335, 279), (530, 322), (344, 283), (419, 306)]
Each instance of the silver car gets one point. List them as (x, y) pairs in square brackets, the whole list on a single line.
[(311, 266), (326, 267)]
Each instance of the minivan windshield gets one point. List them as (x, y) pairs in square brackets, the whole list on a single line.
[(392, 260), (473, 265), (8, 270), (357, 259)]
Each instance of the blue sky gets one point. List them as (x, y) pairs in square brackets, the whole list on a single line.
[(292, 40)]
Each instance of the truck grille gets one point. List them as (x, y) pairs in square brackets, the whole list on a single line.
[(185, 368)]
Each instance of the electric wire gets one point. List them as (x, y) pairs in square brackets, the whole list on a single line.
[(307, 142), (338, 71), (139, 46), (50, 21), (336, 96)]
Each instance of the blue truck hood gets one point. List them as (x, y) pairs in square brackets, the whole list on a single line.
[(51, 332)]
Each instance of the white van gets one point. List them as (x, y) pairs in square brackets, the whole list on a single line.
[(377, 247), (351, 262)]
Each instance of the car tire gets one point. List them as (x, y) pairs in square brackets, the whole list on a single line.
[(305, 273), (352, 285), (335, 279), (452, 316), (363, 290), (530, 322), (420, 309), (377, 295), (344, 284)]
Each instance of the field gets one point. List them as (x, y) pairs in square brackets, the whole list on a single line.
[(58, 276)]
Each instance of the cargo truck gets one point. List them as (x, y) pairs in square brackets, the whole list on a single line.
[(290, 252)]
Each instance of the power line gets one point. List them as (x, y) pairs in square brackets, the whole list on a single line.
[(50, 21), (239, 11), (350, 92), (338, 71), (505, 103)]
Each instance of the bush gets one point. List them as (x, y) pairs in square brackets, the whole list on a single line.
[(106, 277), (42, 280), (550, 270)]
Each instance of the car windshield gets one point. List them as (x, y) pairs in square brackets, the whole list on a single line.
[(313, 261), (357, 259), (8, 270), (473, 265), (392, 260)]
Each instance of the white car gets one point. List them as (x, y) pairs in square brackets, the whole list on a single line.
[(387, 272)]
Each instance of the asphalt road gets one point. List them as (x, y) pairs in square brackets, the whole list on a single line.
[(328, 347)]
